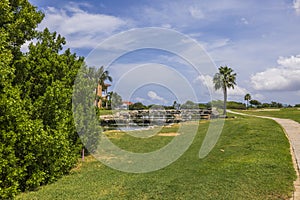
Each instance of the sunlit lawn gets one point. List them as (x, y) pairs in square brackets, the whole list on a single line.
[(250, 161), (287, 113)]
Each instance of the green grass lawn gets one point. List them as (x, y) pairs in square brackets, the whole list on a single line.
[(250, 161), (106, 112), (287, 113)]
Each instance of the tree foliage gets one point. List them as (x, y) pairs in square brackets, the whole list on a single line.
[(38, 140), (189, 105), (84, 108), (102, 75), (255, 102), (247, 98), (116, 100), (224, 79), (137, 106)]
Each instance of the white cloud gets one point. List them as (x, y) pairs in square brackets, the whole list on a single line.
[(166, 26), (182, 14), (177, 14), (154, 96), (25, 46), (297, 6), (285, 77), (244, 21), (216, 44), (81, 29), (208, 81), (196, 12), (292, 63)]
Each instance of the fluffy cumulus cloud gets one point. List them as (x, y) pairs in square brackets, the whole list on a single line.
[(285, 77), (155, 96), (81, 28)]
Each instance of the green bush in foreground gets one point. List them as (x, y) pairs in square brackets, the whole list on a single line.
[(38, 140)]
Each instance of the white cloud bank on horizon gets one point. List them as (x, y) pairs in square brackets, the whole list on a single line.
[(284, 77), (81, 29)]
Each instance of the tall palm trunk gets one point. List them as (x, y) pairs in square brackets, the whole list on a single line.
[(106, 103), (225, 101), (99, 94)]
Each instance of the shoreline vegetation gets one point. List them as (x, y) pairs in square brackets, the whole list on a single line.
[(247, 163)]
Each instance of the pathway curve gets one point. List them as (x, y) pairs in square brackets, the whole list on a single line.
[(292, 131)]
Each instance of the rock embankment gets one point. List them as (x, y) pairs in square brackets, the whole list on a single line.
[(157, 116)]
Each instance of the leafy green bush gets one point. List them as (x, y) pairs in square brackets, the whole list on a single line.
[(137, 106), (38, 140)]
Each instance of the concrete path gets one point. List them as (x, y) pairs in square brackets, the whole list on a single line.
[(292, 131)]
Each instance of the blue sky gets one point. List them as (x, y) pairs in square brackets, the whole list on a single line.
[(260, 40)]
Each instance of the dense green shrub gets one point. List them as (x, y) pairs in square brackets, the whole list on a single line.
[(137, 106), (38, 140)]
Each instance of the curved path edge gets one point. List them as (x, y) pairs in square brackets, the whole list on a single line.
[(292, 132)]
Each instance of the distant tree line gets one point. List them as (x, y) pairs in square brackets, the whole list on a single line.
[(273, 104), (216, 103)]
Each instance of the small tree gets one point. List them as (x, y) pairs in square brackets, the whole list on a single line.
[(116, 100), (102, 76), (224, 80), (189, 105), (255, 102), (247, 98), (84, 109), (137, 106)]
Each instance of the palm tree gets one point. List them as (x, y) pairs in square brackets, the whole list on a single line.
[(108, 99), (224, 79), (247, 98), (103, 76)]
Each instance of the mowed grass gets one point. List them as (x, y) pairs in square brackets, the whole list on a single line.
[(286, 113), (251, 160)]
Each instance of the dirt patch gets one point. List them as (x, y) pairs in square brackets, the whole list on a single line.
[(168, 134)]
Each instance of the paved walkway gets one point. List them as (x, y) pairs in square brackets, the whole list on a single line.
[(292, 131)]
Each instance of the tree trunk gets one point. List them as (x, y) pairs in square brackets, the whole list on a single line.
[(99, 94), (225, 101), (82, 154)]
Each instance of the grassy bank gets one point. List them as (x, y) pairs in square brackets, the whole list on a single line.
[(287, 113), (250, 161)]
